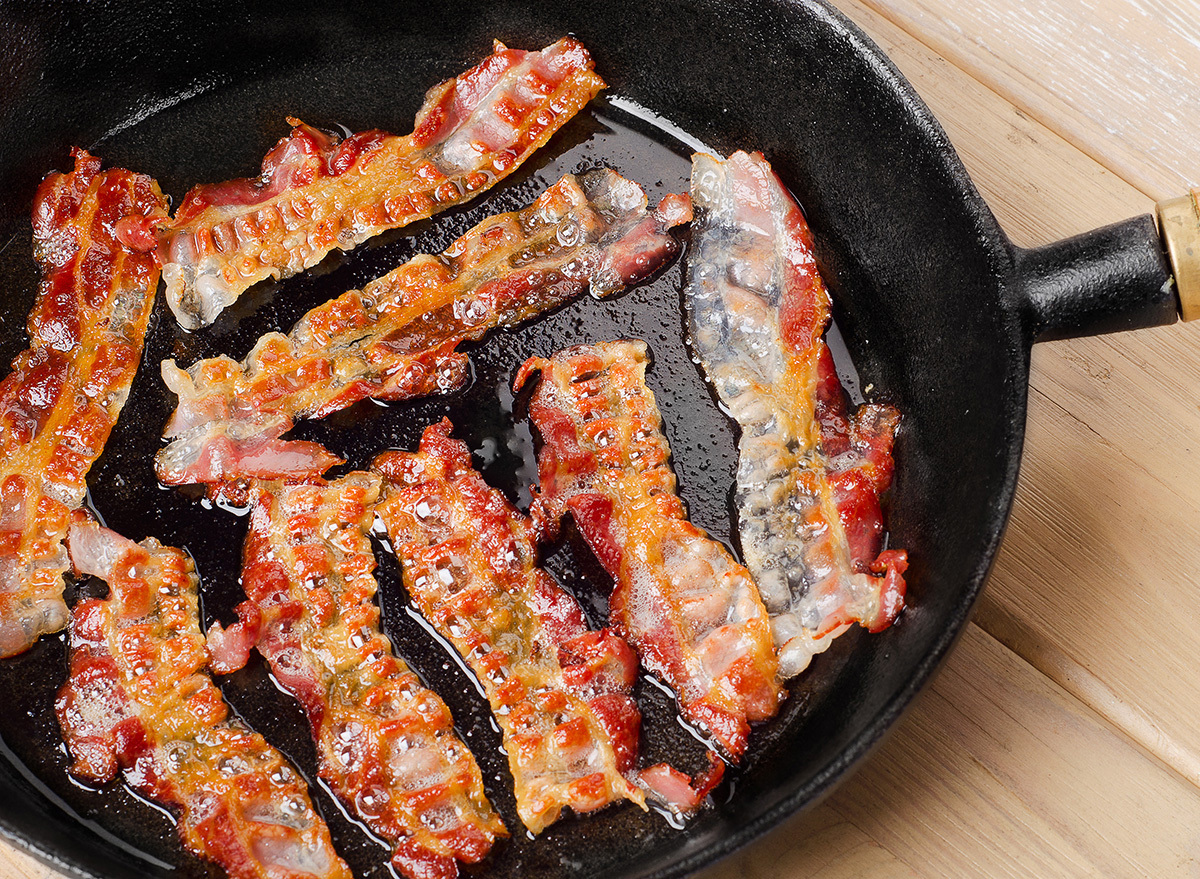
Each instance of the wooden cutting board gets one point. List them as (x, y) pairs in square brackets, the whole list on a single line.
[(1062, 738)]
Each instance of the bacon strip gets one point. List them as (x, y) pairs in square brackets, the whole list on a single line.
[(58, 405), (385, 744), (679, 597), (809, 474), (318, 192), (559, 691), (398, 337), (138, 699)]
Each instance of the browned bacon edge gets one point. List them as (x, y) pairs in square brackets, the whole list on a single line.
[(138, 700), (397, 338), (318, 192), (386, 745), (679, 596), (58, 405), (560, 692)]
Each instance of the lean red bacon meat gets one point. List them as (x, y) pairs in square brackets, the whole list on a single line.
[(138, 700), (398, 337), (679, 596), (810, 473), (318, 192), (559, 691), (386, 744), (91, 236)]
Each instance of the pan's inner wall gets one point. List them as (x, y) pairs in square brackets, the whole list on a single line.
[(915, 262)]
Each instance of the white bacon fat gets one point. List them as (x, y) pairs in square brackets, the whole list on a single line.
[(809, 473)]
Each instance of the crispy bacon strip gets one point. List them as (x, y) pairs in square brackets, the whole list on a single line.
[(318, 192), (398, 337), (809, 473), (385, 743), (559, 691), (679, 597), (58, 405), (138, 699)]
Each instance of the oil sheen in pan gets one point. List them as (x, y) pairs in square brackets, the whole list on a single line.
[(127, 496)]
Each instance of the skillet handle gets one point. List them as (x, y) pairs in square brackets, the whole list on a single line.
[(1111, 279)]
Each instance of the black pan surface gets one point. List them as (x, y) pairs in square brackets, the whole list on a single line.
[(920, 273)]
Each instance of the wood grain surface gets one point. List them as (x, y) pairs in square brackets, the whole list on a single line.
[(1062, 738)]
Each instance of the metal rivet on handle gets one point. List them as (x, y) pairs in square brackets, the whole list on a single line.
[(1179, 225)]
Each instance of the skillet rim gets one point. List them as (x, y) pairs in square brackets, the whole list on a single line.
[(1000, 258)]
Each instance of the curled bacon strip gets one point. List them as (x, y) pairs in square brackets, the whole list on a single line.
[(398, 337), (138, 699), (385, 743), (679, 597), (59, 403), (559, 691), (810, 474), (318, 192)]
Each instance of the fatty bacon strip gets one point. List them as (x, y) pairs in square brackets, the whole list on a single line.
[(559, 691), (385, 744), (91, 236), (679, 596), (397, 338), (138, 699), (809, 474), (318, 192)]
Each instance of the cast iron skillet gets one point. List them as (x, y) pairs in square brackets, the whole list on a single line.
[(938, 309)]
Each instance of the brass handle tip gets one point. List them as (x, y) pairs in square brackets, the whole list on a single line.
[(1179, 225)]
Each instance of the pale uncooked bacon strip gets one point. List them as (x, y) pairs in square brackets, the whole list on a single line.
[(138, 700), (398, 337), (318, 192), (809, 473), (58, 405), (559, 691), (385, 743), (685, 603)]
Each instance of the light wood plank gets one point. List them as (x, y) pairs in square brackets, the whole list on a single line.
[(1115, 77), (1097, 535), (996, 772), (1030, 177), (819, 844), (16, 864)]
